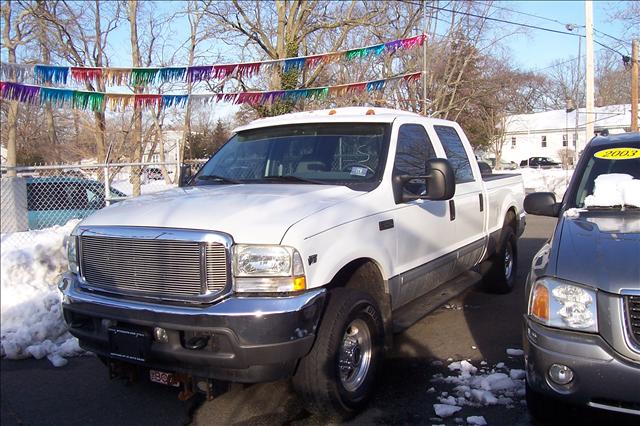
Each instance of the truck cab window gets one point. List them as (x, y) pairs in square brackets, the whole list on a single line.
[(414, 148), (456, 153)]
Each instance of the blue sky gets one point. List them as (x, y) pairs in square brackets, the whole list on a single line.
[(538, 49)]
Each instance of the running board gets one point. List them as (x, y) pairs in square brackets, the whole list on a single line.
[(414, 311)]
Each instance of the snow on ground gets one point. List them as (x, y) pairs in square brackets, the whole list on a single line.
[(31, 323), (479, 386), (546, 180)]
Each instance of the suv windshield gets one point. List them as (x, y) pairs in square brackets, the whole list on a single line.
[(623, 161), (350, 154)]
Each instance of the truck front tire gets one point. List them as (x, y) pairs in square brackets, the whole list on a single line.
[(337, 377), (502, 266)]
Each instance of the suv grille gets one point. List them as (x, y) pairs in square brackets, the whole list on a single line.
[(169, 269), (633, 318)]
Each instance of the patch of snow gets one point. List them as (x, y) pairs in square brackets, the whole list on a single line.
[(614, 189), (436, 363), (476, 420), (516, 374), (546, 180), (431, 390), (573, 213), (31, 323), (500, 364), (444, 410), (515, 352)]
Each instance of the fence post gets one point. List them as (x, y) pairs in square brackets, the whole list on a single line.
[(13, 211), (107, 190)]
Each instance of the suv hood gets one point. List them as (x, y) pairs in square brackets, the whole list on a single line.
[(257, 213), (601, 249)]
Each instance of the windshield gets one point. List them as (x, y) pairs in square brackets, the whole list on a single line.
[(349, 154), (610, 178)]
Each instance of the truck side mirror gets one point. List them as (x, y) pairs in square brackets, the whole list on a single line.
[(185, 175), (542, 204), (439, 179)]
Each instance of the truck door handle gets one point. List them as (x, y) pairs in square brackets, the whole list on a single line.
[(481, 202), (452, 210)]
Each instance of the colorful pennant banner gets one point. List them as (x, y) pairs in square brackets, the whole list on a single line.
[(139, 77), (99, 101)]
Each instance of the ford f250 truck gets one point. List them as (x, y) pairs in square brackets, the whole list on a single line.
[(295, 251)]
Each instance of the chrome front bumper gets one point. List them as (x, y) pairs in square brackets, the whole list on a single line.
[(251, 339)]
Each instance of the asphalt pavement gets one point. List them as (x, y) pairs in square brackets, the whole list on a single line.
[(475, 326)]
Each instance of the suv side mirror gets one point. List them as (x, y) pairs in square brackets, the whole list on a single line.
[(185, 175), (439, 179), (542, 204)]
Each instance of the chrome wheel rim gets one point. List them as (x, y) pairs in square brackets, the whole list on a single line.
[(508, 261), (355, 355)]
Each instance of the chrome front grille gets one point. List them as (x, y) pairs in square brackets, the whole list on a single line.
[(167, 269), (632, 314)]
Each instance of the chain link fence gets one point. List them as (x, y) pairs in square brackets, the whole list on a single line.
[(43, 197)]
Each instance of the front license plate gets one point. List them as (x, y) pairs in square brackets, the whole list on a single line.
[(129, 344), (163, 378)]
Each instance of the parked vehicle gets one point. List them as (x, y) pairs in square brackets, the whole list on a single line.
[(154, 173), (504, 165), (541, 162), (295, 251), (57, 199), (582, 327)]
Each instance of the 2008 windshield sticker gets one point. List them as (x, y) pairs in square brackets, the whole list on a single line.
[(618, 153)]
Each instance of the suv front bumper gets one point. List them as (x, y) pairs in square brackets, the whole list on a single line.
[(602, 378), (250, 339)]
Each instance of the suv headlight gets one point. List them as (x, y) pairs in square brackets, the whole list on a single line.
[(271, 269), (558, 303), (72, 253)]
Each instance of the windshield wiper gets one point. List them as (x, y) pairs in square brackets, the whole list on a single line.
[(290, 178), (217, 178)]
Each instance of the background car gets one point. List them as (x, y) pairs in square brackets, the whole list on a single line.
[(543, 162), (504, 165), (56, 200)]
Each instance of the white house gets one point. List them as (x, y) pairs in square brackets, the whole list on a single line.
[(171, 139), (549, 133)]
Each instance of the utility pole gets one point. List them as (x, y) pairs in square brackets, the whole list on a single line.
[(588, 9), (424, 58), (634, 85)]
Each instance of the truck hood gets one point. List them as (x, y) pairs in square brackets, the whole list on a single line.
[(255, 213), (601, 249)]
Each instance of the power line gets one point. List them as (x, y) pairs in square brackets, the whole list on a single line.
[(504, 21), (529, 14), (610, 36)]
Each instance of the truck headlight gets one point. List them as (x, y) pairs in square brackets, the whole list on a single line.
[(558, 303), (72, 253), (270, 269)]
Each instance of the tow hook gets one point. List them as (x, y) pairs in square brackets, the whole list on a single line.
[(197, 342)]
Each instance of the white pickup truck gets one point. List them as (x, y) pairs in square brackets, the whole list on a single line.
[(296, 250)]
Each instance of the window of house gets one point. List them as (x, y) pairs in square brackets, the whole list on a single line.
[(513, 142), (575, 139), (544, 141), (565, 140), (155, 158)]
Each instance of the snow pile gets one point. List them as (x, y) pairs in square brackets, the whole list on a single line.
[(31, 322), (615, 189), (476, 387), (476, 420), (546, 180), (515, 352)]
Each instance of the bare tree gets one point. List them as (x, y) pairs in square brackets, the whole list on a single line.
[(16, 32)]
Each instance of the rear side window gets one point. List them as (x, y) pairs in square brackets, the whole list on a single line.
[(413, 150), (456, 153)]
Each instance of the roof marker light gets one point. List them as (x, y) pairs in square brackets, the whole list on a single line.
[(332, 112), (371, 112)]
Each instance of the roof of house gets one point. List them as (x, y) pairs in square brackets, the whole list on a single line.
[(604, 117)]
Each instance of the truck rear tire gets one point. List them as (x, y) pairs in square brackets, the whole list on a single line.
[(500, 277), (336, 379)]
